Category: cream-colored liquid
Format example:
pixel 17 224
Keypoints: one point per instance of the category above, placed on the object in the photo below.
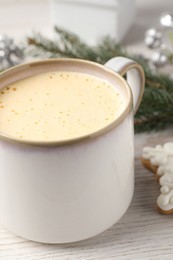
pixel 58 105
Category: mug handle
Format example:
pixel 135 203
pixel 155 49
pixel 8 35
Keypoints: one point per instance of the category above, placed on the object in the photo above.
pixel 135 76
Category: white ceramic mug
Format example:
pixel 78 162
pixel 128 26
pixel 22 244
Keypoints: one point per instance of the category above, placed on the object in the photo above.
pixel 62 192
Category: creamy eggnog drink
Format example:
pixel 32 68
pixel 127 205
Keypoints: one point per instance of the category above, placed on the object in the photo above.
pixel 56 106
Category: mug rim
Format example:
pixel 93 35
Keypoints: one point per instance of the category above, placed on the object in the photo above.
pixel 128 105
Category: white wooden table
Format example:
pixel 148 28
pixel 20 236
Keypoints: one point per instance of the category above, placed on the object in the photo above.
pixel 142 233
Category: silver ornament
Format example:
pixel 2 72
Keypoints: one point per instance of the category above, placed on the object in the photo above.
pixel 166 20
pixel 10 53
pixel 153 38
pixel 163 47
pixel 159 59
pixel 152 67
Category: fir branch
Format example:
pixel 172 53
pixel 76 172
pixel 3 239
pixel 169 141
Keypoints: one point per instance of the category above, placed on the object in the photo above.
pixel 69 45
pixel 156 109
pixel 46 48
pixel 69 40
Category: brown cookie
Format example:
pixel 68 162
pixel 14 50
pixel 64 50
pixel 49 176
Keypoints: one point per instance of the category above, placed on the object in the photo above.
pixel 159 160
pixel 147 163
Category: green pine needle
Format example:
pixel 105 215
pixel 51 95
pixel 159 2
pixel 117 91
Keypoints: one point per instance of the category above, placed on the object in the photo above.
pixel 156 109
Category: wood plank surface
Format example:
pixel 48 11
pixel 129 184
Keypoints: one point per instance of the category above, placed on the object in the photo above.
pixel 142 233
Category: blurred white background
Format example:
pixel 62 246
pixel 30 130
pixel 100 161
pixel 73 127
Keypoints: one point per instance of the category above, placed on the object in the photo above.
pixel 20 17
